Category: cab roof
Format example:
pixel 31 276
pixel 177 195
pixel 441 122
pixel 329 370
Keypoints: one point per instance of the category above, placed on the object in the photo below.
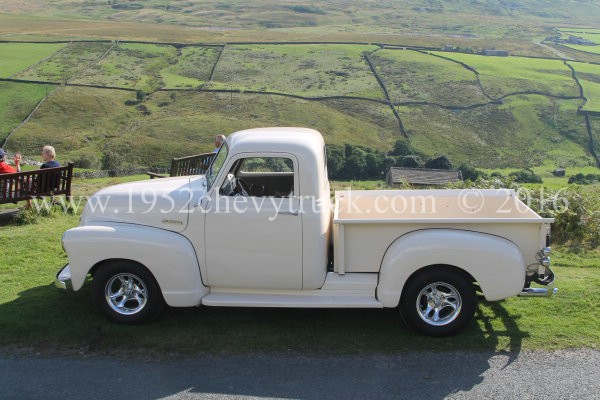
pixel 276 140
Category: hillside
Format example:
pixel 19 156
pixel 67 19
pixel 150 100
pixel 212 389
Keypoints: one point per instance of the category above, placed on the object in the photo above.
pixel 488 111
pixel 364 73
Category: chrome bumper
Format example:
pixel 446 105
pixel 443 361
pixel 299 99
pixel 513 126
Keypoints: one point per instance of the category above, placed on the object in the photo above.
pixel 539 292
pixel 63 278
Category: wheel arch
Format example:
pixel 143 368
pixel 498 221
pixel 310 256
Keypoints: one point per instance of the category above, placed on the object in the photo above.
pixel 495 263
pixel 168 256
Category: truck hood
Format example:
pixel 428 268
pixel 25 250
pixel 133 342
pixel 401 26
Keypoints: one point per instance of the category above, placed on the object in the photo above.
pixel 162 203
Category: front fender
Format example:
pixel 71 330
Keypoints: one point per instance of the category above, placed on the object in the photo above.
pixel 496 264
pixel 169 256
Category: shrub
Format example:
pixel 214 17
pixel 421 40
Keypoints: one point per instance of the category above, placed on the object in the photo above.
pixel 582 179
pixel 526 176
pixel 86 161
pixel 470 173
pixel 441 162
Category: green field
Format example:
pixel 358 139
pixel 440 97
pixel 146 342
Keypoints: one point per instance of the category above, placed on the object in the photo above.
pixel 306 70
pixel 15 57
pixel 588 49
pixel 589 77
pixel 504 75
pixel 192 68
pixel 411 76
pixel 86 122
pixel 16 102
pixel 65 64
pixel 130 65
pixel 525 131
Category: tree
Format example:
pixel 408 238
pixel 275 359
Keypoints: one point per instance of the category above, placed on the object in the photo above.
pixel 356 162
pixel 336 160
pixel 402 148
pixel 441 162
pixel 410 162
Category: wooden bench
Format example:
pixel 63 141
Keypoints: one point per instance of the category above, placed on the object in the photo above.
pixel 191 165
pixel 27 185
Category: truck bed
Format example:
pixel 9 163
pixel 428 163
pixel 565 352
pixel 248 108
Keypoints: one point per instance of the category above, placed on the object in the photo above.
pixel 366 223
pixel 431 206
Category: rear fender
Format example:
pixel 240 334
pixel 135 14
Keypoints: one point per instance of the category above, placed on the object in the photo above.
pixel 169 256
pixel 495 263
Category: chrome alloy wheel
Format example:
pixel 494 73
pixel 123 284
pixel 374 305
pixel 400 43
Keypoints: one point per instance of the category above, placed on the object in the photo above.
pixel 439 304
pixel 126 294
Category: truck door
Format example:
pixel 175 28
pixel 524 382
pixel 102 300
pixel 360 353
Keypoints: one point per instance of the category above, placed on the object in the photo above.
pixel 253 227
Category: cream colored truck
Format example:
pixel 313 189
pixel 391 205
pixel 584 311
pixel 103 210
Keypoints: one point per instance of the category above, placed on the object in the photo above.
pixel 260 230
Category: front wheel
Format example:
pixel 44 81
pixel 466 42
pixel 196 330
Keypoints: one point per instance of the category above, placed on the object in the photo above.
pixel 438 301
pixel 126 292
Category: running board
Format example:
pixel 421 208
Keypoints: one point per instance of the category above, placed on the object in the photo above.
pixel 290 300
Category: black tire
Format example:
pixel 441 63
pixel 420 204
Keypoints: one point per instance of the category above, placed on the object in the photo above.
pixel 141 295
pixel 450 292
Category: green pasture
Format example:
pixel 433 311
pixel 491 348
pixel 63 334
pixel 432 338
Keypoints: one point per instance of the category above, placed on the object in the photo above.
pixel 130 65
pixel 192 68
pixel 88 123
pixel 15 57
pixel 16 102
pixel 504 75
pixel 524 131
pixel 414 76
pixel 34 314
pixel 587 49
pixel 589 77
pixel 65 64
pixel 306 70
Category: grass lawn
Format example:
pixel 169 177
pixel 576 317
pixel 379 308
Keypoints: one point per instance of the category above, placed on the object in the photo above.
pixel 589 77
pixel 15 57
pixel 305 70
pixel 413 76
pixel 66 63
pixel 16 102
pixel 503 75
pixel 33 313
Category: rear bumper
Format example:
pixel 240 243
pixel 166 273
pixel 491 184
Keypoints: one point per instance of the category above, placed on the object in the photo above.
pixel 547 291
pixel 63 278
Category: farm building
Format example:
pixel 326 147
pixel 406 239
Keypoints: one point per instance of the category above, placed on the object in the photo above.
pixel 559 172
pixel 496 53
pixel 421 177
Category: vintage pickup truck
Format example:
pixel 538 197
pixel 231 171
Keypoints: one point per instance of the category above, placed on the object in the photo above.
pixel 260 230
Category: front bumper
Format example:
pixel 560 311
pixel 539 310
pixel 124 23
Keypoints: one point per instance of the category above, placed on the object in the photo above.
pixel 63 278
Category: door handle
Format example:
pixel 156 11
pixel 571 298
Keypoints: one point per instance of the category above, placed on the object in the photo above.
pixel 292 212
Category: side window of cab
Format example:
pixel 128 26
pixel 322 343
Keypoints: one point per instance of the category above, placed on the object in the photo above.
pixel 260 177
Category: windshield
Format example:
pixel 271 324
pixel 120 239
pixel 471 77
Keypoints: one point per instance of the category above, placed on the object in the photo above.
pixel 217 164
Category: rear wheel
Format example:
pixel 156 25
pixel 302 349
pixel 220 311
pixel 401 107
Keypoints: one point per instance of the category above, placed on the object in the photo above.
pixel 126 292
pixel 438 301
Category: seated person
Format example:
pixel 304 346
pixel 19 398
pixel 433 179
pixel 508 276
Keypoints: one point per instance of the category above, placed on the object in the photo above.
pixel 7 169
pixel 48 155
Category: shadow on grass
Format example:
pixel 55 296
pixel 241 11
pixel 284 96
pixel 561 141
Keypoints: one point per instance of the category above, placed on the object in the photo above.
pixel 269 339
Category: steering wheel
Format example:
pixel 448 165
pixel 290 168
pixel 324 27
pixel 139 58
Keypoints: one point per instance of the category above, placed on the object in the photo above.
pixel 242 188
